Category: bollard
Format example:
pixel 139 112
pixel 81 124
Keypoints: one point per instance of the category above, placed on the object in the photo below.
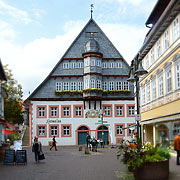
pixel 86 150
pixel 80 148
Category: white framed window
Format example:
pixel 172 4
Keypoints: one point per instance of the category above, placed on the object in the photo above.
pixel 168 81
pixel 65 65
pixel 119 85
pixel 143 94
pixel 160 85
pixel 118 64
pixel 166 39
pixel 80 86
pixel 86 83
pixel 177 75
pixel 58 86
pixel 153 87
pixel 107 110
pixel 176 28
pixel 152 55
pixel 119 110
pixel 66 111
pixel 73 86
pixel 98 84
pixel 54 130
pixel 98 63
pixel 73 65
pixel 93 62
pixel 92 83
pixel 41 111
pixel 53 111
pixel 66 86
pixel 131 110
pixel 104 85
pixel 66 130
pixel 119 129
pixel 111 85
pixel 41 131
pixel 78 111
pixel 126 85
pixel 87 62
pixel 79 65
pixel 111 65
pixel 147 61
pixel 148 92
pixel 104 65
pixel 158 48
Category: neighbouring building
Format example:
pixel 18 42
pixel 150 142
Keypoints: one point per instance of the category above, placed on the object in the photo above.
pixel 3 94
pixel 88 84
pixel 160 88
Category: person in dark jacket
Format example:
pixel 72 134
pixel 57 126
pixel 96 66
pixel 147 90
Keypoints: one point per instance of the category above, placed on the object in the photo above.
pixel 177 147
pixel 54 144
pixel 88 137
pixel 36 148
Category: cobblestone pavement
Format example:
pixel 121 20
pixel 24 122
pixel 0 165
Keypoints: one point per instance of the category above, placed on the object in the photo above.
pixel 70 164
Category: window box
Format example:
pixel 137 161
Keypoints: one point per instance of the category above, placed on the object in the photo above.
pixel 68 92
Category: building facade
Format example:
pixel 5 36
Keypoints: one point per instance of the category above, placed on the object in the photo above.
pixel 160 88
pixel 3 94
pixel 87 86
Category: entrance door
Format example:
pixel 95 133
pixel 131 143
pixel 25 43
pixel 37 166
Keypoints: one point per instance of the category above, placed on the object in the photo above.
pixel 106 134
pixel 82 137
pixel 82 133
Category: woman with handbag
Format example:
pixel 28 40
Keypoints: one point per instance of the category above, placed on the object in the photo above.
pixel 37 149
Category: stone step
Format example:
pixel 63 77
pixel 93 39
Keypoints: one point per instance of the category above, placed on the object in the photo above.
pixel 25 140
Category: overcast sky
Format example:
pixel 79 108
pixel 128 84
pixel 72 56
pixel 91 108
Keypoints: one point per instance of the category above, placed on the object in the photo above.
pixel 34 34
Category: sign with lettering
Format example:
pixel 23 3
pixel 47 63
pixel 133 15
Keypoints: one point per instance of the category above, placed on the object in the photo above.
pixel 53 121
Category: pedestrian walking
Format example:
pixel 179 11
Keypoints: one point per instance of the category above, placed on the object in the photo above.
pixel 88 137
pixel 54 144
pixel 37 149
pixel 177 147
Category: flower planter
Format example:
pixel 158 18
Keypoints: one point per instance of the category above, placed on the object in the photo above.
pixel 152 171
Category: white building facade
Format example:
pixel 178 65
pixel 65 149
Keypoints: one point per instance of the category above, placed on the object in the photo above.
pixel 88 85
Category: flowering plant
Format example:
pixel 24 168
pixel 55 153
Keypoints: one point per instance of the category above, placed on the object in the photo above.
pixel 116 92
pixel 137 157
pixel 69 92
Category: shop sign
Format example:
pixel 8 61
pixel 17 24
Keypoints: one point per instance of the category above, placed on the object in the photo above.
pixel 53 121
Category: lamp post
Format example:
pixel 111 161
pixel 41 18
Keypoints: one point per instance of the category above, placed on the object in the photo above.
pixel 136 71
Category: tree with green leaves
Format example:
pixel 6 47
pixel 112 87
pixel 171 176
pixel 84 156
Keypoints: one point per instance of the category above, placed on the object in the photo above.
pixel 13 110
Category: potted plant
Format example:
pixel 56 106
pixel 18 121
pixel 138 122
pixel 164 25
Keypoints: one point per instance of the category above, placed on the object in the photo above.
pixel 149 163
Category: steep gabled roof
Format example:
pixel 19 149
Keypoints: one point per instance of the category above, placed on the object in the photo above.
pixel 77 48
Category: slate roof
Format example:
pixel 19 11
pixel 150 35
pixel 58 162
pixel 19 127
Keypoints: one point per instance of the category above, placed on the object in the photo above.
pixel 77 48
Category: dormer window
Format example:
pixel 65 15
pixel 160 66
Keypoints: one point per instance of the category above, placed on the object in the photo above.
pixel 65 65
pixel 111 65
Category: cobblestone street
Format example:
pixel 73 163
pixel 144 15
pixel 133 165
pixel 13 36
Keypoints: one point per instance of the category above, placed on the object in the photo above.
pixel 70 164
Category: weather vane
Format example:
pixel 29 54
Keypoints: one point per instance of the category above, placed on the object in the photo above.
pixel 92 6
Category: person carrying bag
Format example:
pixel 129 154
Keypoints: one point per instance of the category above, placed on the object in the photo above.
pixel 37 149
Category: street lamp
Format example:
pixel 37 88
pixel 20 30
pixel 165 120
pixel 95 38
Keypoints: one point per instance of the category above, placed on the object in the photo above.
pixel 136 71
pixel 101 115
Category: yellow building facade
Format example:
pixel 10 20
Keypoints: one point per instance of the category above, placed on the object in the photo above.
pixel 160 88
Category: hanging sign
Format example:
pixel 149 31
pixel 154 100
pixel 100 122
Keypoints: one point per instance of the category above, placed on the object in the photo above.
pixel 92 114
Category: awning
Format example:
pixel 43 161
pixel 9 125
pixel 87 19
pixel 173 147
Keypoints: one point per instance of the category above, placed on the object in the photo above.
pixel 6 131
pixel 10 125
